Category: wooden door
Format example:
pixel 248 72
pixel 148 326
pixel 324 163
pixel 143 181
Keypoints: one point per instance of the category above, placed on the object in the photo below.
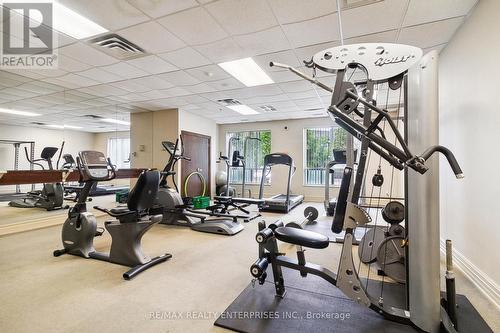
pixel 197 148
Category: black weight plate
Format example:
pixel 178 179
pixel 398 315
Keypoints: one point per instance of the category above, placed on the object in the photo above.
pixel 311 210
pixel 394 212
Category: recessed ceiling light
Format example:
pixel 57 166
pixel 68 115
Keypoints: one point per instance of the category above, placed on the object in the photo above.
pixel 71 23
pixel 247 72
pixel 116 121
pixel 242 109
pixel 19 113
pixel 64 126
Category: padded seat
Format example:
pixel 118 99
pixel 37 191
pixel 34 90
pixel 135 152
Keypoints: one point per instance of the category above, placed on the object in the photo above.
pixel 119 210
pixel 301 237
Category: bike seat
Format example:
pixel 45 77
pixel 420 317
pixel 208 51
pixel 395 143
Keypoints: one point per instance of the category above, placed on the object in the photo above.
pixel 301 237
pixel 119 210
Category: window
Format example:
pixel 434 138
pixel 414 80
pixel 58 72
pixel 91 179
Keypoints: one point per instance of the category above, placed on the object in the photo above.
pixel 119 152
pixel 254 154
pixel 319 144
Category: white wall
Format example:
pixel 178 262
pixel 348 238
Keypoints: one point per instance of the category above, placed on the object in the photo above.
pixel 194 123
pixel 74 142
pixel 469 126
pixel 291 141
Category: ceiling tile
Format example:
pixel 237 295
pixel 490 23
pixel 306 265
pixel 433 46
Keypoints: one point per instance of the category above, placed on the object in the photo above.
pixel 430 34
pixel 176 91
pixel 100 75
pixel 222 50
pixel 179 78
pixel 194 26
pixel 194 99
pixel 208 73
pixel 226 84
pixel 289 11
pixel 306 53
pixel 152 37
pixel 422 12
pixel 71 81
pixel 285 57
pixel 107 90
pixel 41 87
pixel 295 86
pixel 282 76
pixel 23 73
pixel 110 14
pixel 18 92
pixel 242 17
pixel 381 37
pixel 152 82
pixel 125 70
pixel 152 64
pixel 157 9
pixel 154 94
pixel 71 65
pixel 47 72
pixel 130 86
pixel 320 30
pixel 377 17
pixel 267 41
pixel 87 54
pixel 186 57
pixel 200 88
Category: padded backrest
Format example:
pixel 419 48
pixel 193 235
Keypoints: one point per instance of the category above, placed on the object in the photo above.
pixel 341 206
pixel 143 195
pixel 48 152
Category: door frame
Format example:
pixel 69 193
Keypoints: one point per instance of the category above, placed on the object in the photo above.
pixel 208 181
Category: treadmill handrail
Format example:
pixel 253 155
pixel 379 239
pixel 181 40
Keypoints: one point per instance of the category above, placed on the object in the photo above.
pixel 271 160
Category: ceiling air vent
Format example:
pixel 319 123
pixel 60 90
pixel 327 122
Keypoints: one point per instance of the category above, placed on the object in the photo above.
pixel 117 47
pixel 267 108
pixel 229 101
pixel 93 116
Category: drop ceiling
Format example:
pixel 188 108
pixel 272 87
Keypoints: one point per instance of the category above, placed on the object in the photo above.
pixel 185 39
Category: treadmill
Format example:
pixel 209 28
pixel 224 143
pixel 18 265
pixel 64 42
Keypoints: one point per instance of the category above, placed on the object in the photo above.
pixel 281 203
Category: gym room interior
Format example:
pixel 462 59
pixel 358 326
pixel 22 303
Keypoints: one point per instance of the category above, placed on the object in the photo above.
pixel 249 165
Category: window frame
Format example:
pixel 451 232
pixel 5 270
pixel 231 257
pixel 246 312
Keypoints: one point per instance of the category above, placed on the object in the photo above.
pixel 120 165
pixel 304 156
pixel 226 149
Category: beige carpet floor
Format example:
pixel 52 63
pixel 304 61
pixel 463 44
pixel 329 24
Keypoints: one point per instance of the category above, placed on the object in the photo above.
pixel 40 293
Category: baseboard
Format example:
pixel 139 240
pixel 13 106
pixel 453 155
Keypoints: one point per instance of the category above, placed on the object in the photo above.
pixel 483 282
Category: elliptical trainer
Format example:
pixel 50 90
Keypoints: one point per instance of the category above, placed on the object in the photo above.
pixel 175 212
pixel 51 197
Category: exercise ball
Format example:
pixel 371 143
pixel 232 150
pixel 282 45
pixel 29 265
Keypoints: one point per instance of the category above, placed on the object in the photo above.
pixel 220 178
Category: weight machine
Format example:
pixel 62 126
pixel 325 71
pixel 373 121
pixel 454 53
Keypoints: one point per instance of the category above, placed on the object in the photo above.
pixel 401 68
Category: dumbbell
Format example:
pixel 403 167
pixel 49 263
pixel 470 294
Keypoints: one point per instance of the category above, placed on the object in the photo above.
pixel 310 215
